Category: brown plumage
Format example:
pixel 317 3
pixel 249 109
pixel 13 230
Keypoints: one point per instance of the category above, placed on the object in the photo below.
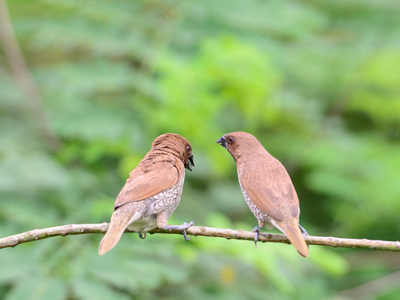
pixel 152 191
pixel 266 187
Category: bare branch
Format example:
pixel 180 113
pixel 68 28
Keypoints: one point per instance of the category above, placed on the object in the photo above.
pixel 73 229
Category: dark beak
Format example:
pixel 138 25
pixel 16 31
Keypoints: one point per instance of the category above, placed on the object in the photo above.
pixel 222 141
pixel 190 163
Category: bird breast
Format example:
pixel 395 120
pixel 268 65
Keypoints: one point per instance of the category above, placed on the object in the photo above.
pixel 258 213
pixel 168 200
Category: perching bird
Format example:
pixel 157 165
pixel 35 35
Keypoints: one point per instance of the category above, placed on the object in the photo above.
pixel 266 187
pixel 152 191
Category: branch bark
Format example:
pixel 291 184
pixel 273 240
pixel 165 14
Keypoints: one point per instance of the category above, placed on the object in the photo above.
pixel 74 229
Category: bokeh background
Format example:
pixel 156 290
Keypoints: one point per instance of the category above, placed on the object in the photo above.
pixel 318 83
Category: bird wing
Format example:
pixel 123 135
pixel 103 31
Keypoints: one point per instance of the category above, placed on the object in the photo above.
pixel 270 188
pixel 147 181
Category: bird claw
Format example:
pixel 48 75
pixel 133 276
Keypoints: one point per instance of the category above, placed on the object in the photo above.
pixel 182 228
pixel 256 231
pixel 142 235
pixel 303 231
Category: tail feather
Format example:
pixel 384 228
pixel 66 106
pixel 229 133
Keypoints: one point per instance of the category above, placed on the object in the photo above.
pixel 120 219
pixel 292 231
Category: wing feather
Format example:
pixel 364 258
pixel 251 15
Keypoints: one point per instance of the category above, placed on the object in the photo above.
pixel 148 181
pixel 270 188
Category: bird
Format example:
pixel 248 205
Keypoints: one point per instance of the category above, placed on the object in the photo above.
pixel 266 187
pixel 152 192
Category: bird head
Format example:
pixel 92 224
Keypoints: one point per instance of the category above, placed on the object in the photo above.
pixel 240 144
pixel 177 145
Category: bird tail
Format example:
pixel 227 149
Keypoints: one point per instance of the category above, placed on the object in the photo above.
pixel 292 231
pixel 120 219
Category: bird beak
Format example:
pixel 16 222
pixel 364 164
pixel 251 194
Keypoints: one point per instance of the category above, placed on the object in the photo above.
pixel 222 141
pixel 190 163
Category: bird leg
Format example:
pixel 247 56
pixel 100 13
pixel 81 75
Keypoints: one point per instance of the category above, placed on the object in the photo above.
pixel 162 222
pixel 182 228
pixel 142 235
pixel 256 231
pixel 303 231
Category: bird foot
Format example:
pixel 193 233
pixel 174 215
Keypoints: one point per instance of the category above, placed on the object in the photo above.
pixel 182 228
pixel 303 231
pixel 142 235
pixel 256 231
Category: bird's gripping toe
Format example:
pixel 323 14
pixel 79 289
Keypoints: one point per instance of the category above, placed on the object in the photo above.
pixel 142 235
pixel 256 231
pixel 303 231
pixel 182 228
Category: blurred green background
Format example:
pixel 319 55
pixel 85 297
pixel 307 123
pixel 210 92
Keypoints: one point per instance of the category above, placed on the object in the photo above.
pixel 318 83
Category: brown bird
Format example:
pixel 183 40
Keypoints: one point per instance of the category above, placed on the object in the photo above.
pixel 266 187
pixel 152 191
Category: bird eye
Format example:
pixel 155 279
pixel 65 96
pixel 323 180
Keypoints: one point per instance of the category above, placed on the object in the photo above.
pixel 231 140
pixel 189 149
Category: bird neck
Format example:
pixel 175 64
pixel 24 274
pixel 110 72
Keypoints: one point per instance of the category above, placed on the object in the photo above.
pixel 245 157
pixel 166 150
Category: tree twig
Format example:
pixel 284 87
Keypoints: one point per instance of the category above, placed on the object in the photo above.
pixel 20 70
pixel 74 229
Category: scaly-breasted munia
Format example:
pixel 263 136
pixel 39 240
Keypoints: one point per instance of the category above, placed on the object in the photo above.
pixel 266 187
pixel 152 192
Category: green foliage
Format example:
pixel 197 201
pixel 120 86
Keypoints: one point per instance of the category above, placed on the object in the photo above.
pixel 377 82
pixel 228 83
pixel 316 81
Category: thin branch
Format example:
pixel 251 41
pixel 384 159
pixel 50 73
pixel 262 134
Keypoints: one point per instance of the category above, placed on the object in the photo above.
pixel 20 70
pixel 74 229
